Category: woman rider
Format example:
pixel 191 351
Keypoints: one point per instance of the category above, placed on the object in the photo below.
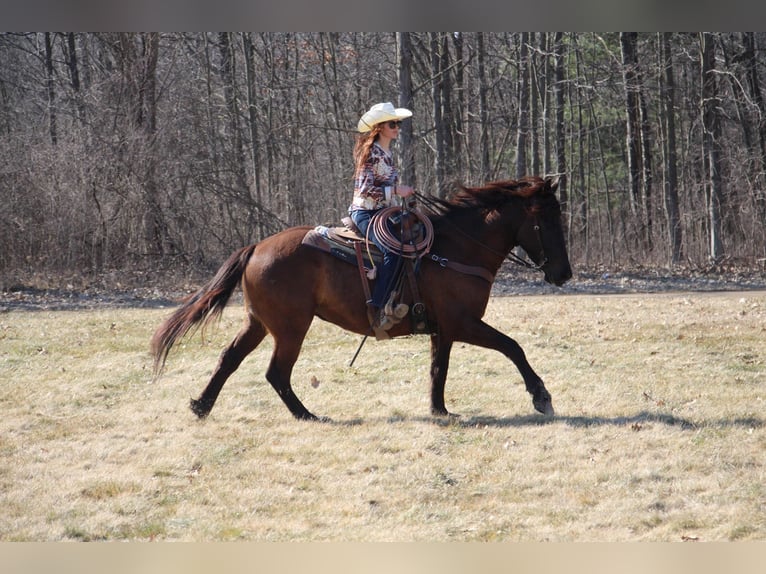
pixel 375 184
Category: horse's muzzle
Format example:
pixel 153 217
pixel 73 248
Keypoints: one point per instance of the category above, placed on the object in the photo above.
pixel 558 277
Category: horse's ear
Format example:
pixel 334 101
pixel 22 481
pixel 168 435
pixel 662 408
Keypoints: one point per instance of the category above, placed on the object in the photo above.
pixel 552 183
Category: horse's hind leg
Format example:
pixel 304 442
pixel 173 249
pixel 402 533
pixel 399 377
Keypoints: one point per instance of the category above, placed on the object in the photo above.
pixel 243 344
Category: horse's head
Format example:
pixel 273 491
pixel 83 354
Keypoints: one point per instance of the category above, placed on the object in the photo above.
pixel 504 214
pixel 541 234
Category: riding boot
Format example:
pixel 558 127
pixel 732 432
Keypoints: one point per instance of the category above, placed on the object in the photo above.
pixel 396 311
pixel 401 310
pixel 385 321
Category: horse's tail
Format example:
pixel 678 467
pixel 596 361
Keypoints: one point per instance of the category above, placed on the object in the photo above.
pixel 201 307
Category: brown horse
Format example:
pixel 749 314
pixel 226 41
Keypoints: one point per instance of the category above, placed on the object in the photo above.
pixel 286 284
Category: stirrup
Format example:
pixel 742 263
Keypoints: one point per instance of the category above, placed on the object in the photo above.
pixel 380 319
pixel 381 324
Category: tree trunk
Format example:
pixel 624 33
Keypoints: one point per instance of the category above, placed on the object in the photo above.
pixel 50 83
pixel 667 86
pixel 483 110
pixel 710 144
pixel 457 41
pixel 229 80
pixel 534 102
pixel 436 100
pixel 754 88
pixel 154 227
pixel 337 192
pixel 523 127
pixel 404 70
pixel 632 121
pixel 547 91
pixel 74 76
pixel 559 90
pixel 448 113
pixel 579 212
pixel 647 170
pixel 252 122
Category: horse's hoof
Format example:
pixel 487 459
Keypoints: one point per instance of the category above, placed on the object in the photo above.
pixel 544 405
pixel 198 408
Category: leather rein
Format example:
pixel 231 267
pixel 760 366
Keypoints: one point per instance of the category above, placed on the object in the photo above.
pixel 481 271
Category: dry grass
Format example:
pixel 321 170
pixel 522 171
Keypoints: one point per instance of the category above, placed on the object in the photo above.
pixel 659 433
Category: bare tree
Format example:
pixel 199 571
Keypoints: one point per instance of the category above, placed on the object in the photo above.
pixel 483 109
pixel 51 88
pixel 667 85
pixel 252 121
pixel 559 91
pixel 437 80
pixel 751 63
pixel 522 130
pixel 632 118
pixel 711 141
pixel 406 100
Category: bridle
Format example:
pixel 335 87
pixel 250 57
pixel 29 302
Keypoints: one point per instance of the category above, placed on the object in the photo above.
pixel 510 256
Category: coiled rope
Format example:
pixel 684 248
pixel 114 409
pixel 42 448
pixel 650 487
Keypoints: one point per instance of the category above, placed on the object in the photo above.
pixel 379 225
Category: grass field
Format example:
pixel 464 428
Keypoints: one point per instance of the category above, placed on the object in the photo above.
pixel 660 430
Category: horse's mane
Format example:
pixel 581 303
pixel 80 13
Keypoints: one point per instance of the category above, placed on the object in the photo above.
pixel 491 195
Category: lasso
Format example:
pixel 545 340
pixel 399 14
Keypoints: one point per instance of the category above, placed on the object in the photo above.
pixel 395 244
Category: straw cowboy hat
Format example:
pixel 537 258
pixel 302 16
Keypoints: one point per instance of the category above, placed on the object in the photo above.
pixel 381 113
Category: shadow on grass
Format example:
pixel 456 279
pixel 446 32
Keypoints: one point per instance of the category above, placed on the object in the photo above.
pixel 634 421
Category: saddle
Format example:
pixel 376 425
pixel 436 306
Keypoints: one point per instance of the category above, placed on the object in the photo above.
pixel 342 242
pixel 349 245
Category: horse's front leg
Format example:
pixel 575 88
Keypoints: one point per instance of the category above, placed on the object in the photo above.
pixel 482 335
pixel 440 351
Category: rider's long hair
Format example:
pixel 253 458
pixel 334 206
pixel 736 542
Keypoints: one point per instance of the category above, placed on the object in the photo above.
pixel 362 147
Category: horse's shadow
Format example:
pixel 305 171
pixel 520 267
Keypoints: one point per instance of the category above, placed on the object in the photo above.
pixel 636 421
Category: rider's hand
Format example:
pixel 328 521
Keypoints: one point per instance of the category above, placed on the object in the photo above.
pixel 404 190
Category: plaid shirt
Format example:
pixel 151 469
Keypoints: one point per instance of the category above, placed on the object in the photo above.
pixel 379 172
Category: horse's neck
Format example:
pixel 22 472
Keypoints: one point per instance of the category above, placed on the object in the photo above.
pixel 474 237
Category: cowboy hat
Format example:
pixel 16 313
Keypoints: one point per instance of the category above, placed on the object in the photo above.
pixel 381 113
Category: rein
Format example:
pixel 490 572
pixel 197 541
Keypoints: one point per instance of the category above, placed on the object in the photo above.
pixel 510 256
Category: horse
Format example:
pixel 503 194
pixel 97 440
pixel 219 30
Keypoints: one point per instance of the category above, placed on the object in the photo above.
pixel 286 284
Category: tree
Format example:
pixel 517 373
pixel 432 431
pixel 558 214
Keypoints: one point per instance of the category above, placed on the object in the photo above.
pixel 667 86
pixel 632 118
pixel 248 49
pixel 754 88
pixel 437 80
pixel 522 130
pixel 484 169
pixel 51 85
pixel 406 100
pixel 711 141
pixel 559 93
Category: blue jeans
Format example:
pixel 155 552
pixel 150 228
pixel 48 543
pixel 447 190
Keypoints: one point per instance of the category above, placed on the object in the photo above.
pixel 386 271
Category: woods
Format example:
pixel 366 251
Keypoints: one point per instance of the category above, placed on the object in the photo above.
pixel 134 150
